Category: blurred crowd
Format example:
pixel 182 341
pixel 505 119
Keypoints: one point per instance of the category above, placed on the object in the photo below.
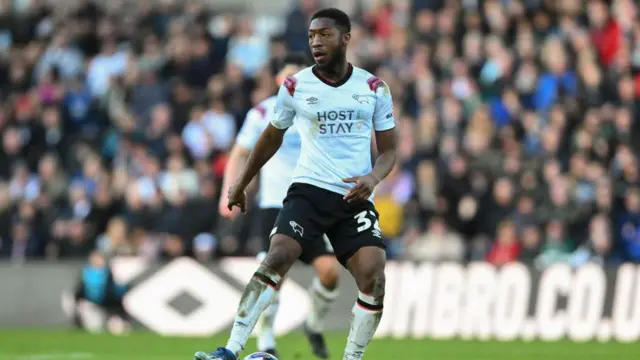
pixel 517 119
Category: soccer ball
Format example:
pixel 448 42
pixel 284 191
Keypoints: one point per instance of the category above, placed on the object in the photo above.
pixel 260 356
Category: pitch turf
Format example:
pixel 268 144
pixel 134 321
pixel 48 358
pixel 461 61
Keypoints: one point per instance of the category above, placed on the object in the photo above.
pixel 67 345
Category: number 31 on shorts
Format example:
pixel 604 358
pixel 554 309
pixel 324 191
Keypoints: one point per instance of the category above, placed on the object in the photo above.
pixel 364 222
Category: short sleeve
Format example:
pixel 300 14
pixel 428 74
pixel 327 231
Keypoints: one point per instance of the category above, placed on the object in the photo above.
pixel 254 124
pixel 383 115
pixel 283 111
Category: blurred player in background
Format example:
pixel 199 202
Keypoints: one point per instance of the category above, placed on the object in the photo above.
pixel 335 107
pixel 97 298
pixel 275 178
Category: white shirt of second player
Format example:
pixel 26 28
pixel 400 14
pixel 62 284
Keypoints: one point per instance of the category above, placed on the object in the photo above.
pixel 276 174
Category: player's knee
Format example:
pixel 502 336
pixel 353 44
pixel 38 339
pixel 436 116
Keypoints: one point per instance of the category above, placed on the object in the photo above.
pixel 371 280
pixel 283 252
pixel 328 271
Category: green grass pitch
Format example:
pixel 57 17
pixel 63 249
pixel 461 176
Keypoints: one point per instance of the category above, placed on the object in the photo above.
pixel 71 345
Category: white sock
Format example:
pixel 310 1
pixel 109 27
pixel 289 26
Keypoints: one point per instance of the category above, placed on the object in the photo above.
pixel 266 333
pixel 365 317
pixel 321 300
pixel 256 298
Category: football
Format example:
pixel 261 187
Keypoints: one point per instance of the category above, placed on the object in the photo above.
pixel 260 356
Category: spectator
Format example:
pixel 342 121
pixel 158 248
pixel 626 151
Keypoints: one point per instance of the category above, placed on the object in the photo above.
pixel 21 243
pixel 52 180
pixel 108 64
pixel 116 239
pixel 628 225
pixel 220 125
pixel 531 243
pixel 77 104
pixel 438 244
pixel 558 80
pixel 597 249
pixel 297 25
pixel 498 207
pixel 523 217
pixel 60 55
pixel 204 246
pixel 196 136
pixel 391 197
pixel 247 49
pixel 606 33
pixel 557 246
pixel 506 247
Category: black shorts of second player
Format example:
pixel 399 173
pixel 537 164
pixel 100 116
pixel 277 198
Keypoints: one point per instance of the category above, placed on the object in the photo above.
pixel 309 212
pixel 316 248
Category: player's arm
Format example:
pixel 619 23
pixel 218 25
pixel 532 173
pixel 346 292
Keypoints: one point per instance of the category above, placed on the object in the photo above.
pixel 384 126
pixel 268 143
pixel 374 149
pixel 385 144
pixel 236 161
pixel 245 142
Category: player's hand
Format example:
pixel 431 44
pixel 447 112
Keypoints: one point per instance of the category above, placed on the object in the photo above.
pixel 363 189
pixel 237 197
pixel 224 210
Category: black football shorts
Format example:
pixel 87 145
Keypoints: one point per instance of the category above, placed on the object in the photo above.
pixel 309 212
pixel 317 248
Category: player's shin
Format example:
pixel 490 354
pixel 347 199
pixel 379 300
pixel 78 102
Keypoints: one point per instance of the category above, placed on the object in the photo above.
pixel 257 296
pixel 365 317
pixel 322 298
pixel 266 332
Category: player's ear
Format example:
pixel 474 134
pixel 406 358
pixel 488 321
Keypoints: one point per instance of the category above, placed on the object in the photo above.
pixel 346 37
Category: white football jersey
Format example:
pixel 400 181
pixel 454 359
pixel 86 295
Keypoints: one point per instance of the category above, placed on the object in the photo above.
pixel 275 175
pixel 335 123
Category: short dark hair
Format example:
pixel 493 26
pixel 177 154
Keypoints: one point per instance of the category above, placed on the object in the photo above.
pixel 294 58
pixel 340 17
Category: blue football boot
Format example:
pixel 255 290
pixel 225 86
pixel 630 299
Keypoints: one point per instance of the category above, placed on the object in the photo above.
pixel 220 354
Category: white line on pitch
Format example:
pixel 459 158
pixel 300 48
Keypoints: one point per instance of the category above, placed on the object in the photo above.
pixel 48 356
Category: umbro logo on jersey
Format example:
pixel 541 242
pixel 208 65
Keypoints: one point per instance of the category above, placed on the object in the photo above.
pixel 312 101
pixel 362 99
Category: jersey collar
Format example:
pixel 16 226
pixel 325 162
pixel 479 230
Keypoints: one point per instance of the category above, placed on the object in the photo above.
pixel 329 82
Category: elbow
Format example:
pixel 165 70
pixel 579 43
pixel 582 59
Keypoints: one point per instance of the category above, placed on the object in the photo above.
pixel 390 153
pixel 238 153
pixel 394 158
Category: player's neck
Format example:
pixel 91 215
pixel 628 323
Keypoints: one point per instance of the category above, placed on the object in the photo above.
pixel 335 73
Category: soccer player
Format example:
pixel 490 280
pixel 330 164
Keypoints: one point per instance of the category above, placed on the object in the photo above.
pixel 275 178
pixel 335 106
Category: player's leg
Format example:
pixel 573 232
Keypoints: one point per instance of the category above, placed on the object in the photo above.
pixel 359 247
pixel 266 333
pixel 294 223
pixel 259 292
pixel 367 268
pixel 323 291
pixel 266 341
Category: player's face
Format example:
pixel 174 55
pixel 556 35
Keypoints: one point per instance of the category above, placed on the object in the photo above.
pixel 328 44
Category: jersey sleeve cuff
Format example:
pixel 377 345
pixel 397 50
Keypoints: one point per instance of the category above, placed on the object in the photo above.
pixel 280 126
pixel 384 127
